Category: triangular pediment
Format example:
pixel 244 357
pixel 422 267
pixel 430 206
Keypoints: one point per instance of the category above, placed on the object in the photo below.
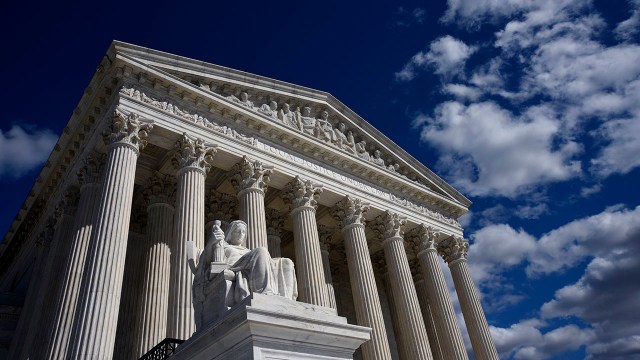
pixel 313 118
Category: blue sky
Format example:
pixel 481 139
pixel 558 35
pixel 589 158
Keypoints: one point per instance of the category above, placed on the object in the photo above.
pixel 530 108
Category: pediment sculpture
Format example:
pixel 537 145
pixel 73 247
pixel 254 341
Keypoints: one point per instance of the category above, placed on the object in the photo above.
pixel 227 272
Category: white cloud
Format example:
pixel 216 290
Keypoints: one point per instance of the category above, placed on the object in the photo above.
pixel 487 150
pixel 606 297
pixel 446 55
pixel 629 29
pixel 551 74
pixel 23 149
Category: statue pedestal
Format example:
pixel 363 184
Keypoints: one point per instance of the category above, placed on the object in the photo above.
pixel 274 327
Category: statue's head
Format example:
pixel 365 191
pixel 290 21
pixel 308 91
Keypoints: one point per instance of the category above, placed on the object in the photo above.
pixel 236 233
pixel 244 96
pixel 273 105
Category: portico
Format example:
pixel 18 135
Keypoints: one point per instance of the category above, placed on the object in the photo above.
pixel 190 143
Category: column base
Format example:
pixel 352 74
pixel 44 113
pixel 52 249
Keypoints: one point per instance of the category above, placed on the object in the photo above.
pixel 271 326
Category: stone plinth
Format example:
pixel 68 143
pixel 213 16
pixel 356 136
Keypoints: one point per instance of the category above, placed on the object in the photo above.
pixel 274 327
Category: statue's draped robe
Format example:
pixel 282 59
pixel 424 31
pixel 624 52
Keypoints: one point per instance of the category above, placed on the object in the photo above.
pixel 256 271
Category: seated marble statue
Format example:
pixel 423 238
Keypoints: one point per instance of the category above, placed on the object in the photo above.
pixel 247 270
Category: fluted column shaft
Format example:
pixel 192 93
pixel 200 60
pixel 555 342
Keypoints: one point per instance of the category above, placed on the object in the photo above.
pixel 365 292
pixel 393 333
pixel 449 335
pixel 97 317
pixel 156 273
pixel 126 332
pixel 326 266
pixel 434 343
pixel 189 222
pixel 51 285
pixel 66 302
pixel 18 345
pixel 474 318
pixel 312 287
pixel 412 329
pixel 252 212
pixel 274 246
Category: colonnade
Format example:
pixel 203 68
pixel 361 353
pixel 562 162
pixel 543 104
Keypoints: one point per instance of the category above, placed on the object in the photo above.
pixel 85 307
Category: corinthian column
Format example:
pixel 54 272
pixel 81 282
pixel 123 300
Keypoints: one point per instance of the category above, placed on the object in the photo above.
pixel 94 327
pixel 275 219
pixel 302 198
pixel 434 343
pixel 413 334
pixel 325 235
pixel 55 265
pixel 152 311
pixel 64 309
pixel 350 213
pixel 454 251
pixel 250 180
pixel 444 316
pixel 21 349
pixel 193 162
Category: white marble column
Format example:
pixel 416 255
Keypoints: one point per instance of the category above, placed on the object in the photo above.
pixel 64 310
pixel 389 310
pixel 251 180
pixel 126 331
pixel 154 297
pixel 454 251
pixel 193 162
pixel 94 327
pixel 325 234
pixel 432 333
pixel 222 207
pixel 413 334
pixel 302 197
pixel 350 213
pixel 20 349
pixel 449 335
pixel 275 219
pixel 65 212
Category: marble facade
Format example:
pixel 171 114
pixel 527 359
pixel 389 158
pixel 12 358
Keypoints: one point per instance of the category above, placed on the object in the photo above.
pixel 160 146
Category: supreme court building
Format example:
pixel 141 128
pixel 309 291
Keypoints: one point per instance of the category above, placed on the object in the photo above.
pixel 94 265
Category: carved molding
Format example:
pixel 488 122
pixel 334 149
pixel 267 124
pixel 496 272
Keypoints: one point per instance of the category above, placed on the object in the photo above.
pixel 350 211
pixel 250 174
pixel 300 192
pixel 129 129
pixel 194 153
pixel 191 116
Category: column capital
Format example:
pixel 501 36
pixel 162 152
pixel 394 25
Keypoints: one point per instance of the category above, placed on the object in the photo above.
pixel 250 175
pixel 350 211
pixel 130 130
pixel 160 189
pixel 274 219
pixel 453 249
pixel 91 169
pixel 425 237
pixel 221 206
pixel 298 193
pixel 389 225
pixel 68 203
pixel 193 152
pixel 325 233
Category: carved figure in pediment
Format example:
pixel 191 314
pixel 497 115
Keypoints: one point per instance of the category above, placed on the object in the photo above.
pixel 270 109
pixel 288 117
pixel 361 151
pixel 307 121
pixel 377 158
pixel 324 129
pixel 243 100
pixel 344 142
pixel 393 168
